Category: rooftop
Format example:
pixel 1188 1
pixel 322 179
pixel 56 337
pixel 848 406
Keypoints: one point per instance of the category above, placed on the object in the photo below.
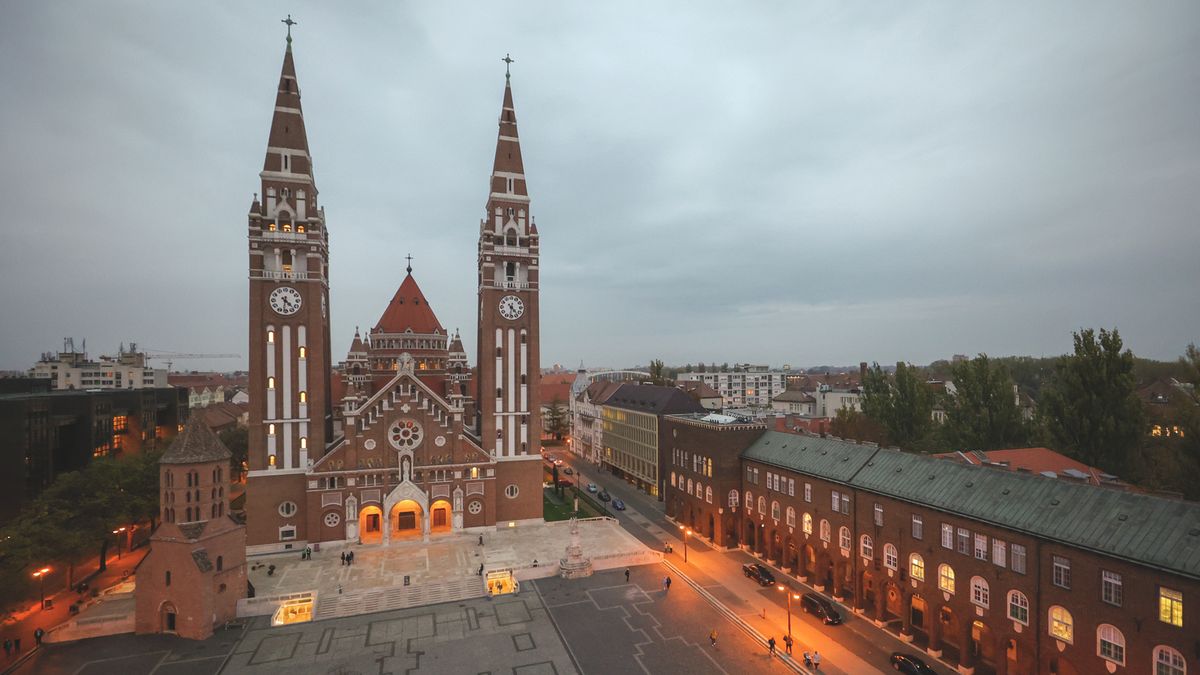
pixel 196 444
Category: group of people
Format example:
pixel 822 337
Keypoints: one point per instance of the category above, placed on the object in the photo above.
pixel 812 660
pixel 347 557
pixel 12 646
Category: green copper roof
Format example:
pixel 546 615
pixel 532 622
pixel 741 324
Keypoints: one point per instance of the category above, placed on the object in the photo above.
pixel 1154 531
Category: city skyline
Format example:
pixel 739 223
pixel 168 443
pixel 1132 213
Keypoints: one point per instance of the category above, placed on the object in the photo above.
pixel 821 186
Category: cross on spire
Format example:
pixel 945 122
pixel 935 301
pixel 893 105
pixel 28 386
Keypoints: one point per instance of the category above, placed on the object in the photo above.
pixel 508 61
pixel 289 23
pixel 409 259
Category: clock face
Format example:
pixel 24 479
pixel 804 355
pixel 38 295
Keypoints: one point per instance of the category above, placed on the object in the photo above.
pixel 511 307
pixel 285 300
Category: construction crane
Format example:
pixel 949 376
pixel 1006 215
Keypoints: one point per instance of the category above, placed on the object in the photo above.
pixel 170 357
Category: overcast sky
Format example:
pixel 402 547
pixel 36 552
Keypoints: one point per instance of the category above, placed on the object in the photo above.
pixel 802 183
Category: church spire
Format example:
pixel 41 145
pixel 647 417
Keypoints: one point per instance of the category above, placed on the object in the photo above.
pixel 287 146
pixel 508 172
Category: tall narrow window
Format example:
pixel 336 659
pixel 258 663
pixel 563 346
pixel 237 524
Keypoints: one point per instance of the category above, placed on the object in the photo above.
pixel 1170 606
pixel 304 397
pixel 1062 625
pixel 270 383
pixel 1110 588
pixel 878 515
pixel 303 352
pixel 916 567
pixel 1062 572
pixel 918 527
pixel 1110 644
pixel 1018 607
pixel 946 578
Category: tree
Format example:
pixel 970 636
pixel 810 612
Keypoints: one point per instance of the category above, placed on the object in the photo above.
pixel 1090 409
pixel 237 439
pixel 557 423
pixel 900 403
pixel 658 373
pixel 983 413
pixel 854 425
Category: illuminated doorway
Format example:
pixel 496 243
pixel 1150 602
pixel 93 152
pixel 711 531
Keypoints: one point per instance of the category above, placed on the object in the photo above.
pixel 370 524
pixel 406 520
pixel 439 516
pixel 502 582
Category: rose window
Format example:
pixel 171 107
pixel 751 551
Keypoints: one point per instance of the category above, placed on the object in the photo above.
pixel 332 519
pixel 405 435
pixel 475 507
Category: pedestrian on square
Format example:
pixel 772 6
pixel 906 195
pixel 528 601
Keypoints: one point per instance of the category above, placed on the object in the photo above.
pixel 771 645
pixel 668 583
pixel 480 572
pixel 343 557
pixel 807 658
pixel 816 660
pixel 712 637
pixel 481 540
pixel 37 635
pixel 626 575
pixel 7 647
pixel 787 644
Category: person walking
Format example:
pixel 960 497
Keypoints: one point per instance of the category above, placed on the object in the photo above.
pixel 37 635
pixel 771 645
pixel 626 575
pixel 807 659
pixel 480 572
pixel 787 644
pixel 350 558
pixel 712 637
pixel 343 557
pixel 816 660
pixel 17 645
pixel 481 540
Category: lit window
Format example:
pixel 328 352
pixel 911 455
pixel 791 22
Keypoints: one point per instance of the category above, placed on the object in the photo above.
pixel 1170 606
pixel 946 578
pixel 825 530
pixel 271 460
pixel 1062 626
pixel 1168 661
pixel 304 397
pixel 1018 607
pixel 271 429
pixel 708 494
pixel 304 442
pixel 916 567
pixel 270 383
pixel 304 352
pixel 891 558
pixel 1110 644
pixel 866 547
pixel 270 336
pixel 981 594
pixel 807 522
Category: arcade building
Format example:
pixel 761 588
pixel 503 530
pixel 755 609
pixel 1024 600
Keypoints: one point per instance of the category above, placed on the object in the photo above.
pixel 405 441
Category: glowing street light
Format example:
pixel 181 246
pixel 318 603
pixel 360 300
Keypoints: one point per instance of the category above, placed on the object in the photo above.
pixel 41 575
pixel 686 534
pixel 118 532
pixel 790 596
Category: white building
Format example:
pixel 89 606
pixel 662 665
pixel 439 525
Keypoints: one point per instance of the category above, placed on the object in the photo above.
pixel 71 369
pixel 828 401
pixel 746 385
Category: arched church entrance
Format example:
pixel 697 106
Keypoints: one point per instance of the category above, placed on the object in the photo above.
pixel 405 520
pixel 370 524
pixel 167 615
pixel 439 513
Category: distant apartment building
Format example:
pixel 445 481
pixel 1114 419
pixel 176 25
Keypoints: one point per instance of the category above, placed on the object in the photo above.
pixel 45 433
pixel 586 393
pixel 205 389
pixel 72 369
pixel 633 438
pixel 828 401
pixel 743 385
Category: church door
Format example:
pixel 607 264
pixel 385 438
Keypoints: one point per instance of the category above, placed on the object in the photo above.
pixel 439 517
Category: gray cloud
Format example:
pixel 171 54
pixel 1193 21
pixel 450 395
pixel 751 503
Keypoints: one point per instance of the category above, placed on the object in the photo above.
pixel 810 184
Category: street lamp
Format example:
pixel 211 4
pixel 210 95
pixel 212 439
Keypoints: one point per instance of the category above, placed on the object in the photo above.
pixel 118 532
pixel 790 596
pixel 41 575
pixel 686 533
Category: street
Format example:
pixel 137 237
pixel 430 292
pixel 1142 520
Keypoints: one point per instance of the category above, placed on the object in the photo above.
pixel 856 646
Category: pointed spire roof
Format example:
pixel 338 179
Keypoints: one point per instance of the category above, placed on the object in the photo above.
pixel 507 163
pixel 287 123
pixel 456 345
pixel 196 444
pixel 409 310
pixel 357 346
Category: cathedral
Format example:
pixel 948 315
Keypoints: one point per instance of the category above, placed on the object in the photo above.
pixel 404 440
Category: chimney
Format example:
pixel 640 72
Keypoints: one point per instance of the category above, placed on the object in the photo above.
pixel 862 371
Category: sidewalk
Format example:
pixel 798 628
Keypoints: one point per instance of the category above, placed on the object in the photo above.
pixel 25 621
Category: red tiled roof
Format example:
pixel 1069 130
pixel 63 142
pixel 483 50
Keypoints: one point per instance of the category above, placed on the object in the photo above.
pixel 1034 460
pixel 698 389
pixel 409 309
pixel 551 391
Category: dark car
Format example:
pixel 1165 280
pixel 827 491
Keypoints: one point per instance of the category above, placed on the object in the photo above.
pixel 820 608
pixel 604 496
pixel 568 471
pixel 758 573
pixel 618 505
pixel 910 664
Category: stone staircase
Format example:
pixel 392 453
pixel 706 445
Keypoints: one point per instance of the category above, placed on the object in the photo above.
pixel 371 600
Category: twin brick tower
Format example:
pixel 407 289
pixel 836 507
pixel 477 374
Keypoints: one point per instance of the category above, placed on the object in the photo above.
pixel 403 441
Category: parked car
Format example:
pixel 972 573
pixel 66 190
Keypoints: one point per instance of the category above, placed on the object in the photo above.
pixel 564 483
pixel 592 487
pixel 910 665
pixel 568 471
pixel 618 505
pixel 558 462
pixel 820 608
pixel 604 496
pixel 758 573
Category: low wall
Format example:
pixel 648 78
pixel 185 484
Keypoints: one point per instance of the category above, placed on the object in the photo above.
pixel 119 619
pixel 265 605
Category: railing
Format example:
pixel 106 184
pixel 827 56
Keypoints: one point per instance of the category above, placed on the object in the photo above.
pixel 514 285
pixel 512 250
pixel 287 236
pixel 296 276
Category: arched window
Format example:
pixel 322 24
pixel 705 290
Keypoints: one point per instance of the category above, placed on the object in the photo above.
pixel 1168 661
pixel 699 491
pixel 844 539
pixel 1018 607
pixel 733 499
pixel 762 505
pixel 1062 626
pixel 866 546
pixel 807 524
pixel 891 558
pixel 1110 644
pixel 946 578
pixel 981 594
pixel 749 501
pixel 791 517
pixel 916 567
pixel 672 479
pixel 825 536
pixel 775 510
pixel 708 494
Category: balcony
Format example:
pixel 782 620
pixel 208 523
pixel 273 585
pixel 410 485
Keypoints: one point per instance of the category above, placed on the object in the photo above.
pixel 511 250
pixel 514 285
pixel 284 276
pixel 287 236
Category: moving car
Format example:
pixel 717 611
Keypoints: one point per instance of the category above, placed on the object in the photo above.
pixel 592 487
pixel 820 608
pixel 568 471
pixel 618 505
pixel 758 573
pixel 910 664
pixel 604 496
pixel 557 462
